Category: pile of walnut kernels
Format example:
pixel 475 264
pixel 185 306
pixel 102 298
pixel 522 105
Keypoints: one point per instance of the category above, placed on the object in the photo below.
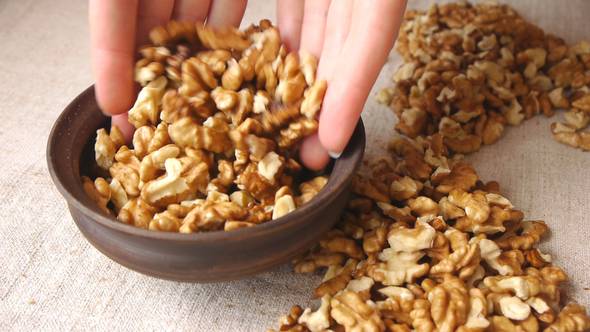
pixel 218 122
pixel 425 245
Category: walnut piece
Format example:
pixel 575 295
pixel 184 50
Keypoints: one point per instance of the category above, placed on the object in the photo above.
pixel 318 320
pixel 349 310
pixel 106 146
pixel 449 304
pixel 283 206
pixel 401 258
pixel 146 110
pixel 572 318
pixel 99 191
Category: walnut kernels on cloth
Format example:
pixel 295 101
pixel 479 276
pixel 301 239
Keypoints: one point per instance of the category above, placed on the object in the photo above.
pixel 425 245
pixel 470 71
pixel 218 122
pixel 452 257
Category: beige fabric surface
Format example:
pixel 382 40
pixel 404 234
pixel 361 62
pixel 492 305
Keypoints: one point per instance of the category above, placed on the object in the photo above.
pixel 52 279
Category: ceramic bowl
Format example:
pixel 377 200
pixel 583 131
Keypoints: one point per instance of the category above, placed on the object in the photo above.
pixel 198 257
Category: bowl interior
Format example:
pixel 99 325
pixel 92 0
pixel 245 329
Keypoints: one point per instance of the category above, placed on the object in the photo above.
pixel 69 155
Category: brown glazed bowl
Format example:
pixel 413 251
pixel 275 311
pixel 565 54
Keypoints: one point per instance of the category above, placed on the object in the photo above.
pixel 199 257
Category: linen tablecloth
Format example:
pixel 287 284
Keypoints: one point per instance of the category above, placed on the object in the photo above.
pixel 52 279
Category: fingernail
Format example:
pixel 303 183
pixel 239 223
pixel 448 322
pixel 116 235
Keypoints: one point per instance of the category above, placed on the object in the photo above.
pixel 334 155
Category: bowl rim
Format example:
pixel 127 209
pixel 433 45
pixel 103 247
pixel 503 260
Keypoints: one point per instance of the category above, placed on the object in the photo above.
pixel 350 159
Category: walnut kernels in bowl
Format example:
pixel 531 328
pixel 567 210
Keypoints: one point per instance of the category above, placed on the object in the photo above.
pixel 218 123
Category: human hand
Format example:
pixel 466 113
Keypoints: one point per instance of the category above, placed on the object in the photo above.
pixel 352 39
pixel 118 28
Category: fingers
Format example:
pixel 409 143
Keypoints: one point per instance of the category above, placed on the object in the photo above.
pixel 290 18
pixel 372 33
pixel 191 10
pixel 112 35
pixel 226 13
pixel 315 14
pixel 150 14
pixel 312 154
pixel 337 27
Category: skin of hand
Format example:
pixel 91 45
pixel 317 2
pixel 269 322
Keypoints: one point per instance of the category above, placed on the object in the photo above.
pixel 351 39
